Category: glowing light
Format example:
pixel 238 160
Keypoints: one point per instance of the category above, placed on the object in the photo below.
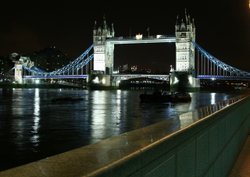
pixel 138 36
pixel 213 79
pixel 96 80
pixel 190 79
pixel 176 80
pixel 103 81
pixel 158 36
pixel 37 81
pixel 213 98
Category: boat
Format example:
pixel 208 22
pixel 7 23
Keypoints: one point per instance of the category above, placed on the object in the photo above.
pixel 155 97
pixel 181 97
pixel 172 97
pixel 66 99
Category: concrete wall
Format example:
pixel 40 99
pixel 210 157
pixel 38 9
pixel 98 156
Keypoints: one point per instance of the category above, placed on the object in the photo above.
pixel 207 149
pixel 203 143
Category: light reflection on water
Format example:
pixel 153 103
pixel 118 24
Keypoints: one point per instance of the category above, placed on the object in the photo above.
pixel 33 127
pixel 36 116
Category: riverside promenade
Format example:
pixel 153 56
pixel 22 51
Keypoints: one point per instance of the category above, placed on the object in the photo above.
pixel 242 164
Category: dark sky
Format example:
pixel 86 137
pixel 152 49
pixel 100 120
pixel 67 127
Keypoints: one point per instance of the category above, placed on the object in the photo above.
pixel 223 27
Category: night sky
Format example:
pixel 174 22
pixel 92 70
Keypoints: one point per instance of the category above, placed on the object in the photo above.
pixel 223 28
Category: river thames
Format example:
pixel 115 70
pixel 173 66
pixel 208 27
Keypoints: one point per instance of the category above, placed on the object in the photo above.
pixel 33 127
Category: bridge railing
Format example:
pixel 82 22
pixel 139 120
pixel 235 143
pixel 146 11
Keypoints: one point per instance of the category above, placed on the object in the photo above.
pixel 204 142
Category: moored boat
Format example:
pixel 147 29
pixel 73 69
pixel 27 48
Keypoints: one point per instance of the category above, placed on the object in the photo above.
pixel 165 97
pixel 180 97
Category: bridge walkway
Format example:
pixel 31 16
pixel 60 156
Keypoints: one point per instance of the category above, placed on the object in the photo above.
pixel 241 167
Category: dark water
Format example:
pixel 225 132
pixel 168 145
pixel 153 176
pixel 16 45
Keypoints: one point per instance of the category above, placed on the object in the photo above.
pixel 33 127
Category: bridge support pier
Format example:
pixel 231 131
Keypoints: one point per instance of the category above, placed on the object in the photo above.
pixel 100 81
pixel 182 81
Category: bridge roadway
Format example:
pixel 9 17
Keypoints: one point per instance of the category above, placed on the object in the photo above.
pixel 164 77
pixel 206 143
pixel 83 76
pixel 143 40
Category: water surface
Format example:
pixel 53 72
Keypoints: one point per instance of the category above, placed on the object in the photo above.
pixel 33 127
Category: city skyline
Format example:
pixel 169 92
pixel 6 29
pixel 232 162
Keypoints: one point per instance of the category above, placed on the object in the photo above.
pixel 222 27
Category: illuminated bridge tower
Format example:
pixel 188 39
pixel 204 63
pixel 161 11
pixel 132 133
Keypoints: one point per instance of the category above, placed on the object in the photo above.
pixel 103 54
pixel 184 75
pixel 19 71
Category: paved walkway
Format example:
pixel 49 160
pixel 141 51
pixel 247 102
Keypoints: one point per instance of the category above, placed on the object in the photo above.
pixel 242 165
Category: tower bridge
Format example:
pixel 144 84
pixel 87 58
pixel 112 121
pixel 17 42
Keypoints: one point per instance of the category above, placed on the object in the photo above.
pixel 104 41
pixel 96 64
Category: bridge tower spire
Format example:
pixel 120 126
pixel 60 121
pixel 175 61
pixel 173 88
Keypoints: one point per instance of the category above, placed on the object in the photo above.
pixel 103 51
pixel 183 77
pixel 100 34
pixel 185 49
